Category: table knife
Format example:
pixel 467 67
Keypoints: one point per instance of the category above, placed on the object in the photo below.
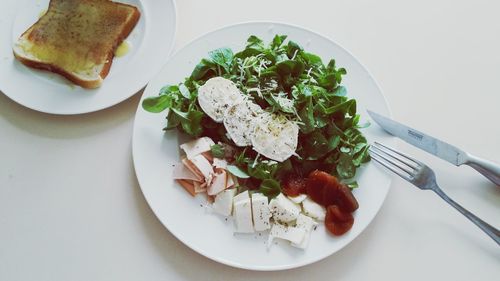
pixel 438 148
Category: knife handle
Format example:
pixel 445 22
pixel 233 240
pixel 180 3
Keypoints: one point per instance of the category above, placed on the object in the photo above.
pixel 487 168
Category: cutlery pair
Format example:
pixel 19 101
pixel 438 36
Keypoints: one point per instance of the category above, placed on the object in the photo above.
pixel 438 148
pixel 421 175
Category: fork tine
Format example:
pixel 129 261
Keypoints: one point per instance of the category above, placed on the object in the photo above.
pixel 401 154
pixel 408 167
pixel 377 157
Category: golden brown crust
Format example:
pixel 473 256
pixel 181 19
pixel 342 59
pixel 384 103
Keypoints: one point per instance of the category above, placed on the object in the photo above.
pixel 126 31
pixel 88 84
pixel 129 24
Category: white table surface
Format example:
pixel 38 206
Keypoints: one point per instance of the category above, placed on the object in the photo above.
pixel 71 207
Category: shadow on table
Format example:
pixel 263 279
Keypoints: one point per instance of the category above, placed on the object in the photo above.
pixel 67 126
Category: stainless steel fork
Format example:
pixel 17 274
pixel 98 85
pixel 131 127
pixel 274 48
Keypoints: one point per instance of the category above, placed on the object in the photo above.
pixel 424 178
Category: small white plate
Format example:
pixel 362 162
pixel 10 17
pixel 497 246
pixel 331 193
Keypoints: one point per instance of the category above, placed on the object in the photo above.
pixel 151 43
pixel 188 219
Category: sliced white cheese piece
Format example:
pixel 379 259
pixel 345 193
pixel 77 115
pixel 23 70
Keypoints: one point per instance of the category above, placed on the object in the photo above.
pixel 182 172
pixel 298 199
pixel 218 184
pixel 204 167
pixel 216 96
pixel 260 211
pixel 242 196
pixel 197 146
pixel 306 223
pixel 313 209
pixel 240 120
pixel 284 210
pixel 290 233
pixel 223 203
pixel 242 207
pixel 275 137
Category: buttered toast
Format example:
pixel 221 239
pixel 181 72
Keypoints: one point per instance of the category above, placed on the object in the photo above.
pixel 77 39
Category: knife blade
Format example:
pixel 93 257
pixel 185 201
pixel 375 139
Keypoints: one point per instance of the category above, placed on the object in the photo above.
pixel 423 141
pixel 437 147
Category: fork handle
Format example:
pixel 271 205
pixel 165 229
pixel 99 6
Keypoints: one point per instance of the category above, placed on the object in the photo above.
pixel 487 228
pixel 487 168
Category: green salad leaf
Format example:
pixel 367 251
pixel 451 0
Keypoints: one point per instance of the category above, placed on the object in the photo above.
pixel 222 57
pixel 283 78
pixel 237 172
pixel 217 151
pixel 270 188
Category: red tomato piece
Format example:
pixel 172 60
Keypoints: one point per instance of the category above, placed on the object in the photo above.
pixel 346 200
pixel 326 190
pixel 331 192
pixel 294 186
pixel 338 222
pixel 315 185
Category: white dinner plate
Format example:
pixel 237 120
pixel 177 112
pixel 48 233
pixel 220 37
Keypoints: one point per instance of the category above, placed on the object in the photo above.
pixel 151 43
pixel 189 219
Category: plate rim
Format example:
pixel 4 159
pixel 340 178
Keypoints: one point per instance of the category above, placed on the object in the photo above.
pixel 136 90
pixel 222 260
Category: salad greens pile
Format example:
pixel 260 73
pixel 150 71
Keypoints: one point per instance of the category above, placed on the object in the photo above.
pixel 282 78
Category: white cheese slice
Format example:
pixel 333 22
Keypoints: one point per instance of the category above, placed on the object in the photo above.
pixel 293 234
pixel 260 211
pixel 243 216
pixel 242 196
pixel 313 209
pixel 275 137
pixel 284 210
pixel 306 223
pixel 240 120
pixel 223 203
pixel 217 95
pixel 298 199
pixel 197 146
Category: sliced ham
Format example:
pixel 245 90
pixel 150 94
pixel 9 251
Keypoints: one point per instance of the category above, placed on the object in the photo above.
pixel 199 187
pixel 219 163
pixel 230 181
pixel 208 155
pixel 188 186
pixel 203 166
pixel 192 167
pixel 182 172
pixel 218 184
pixel 197 146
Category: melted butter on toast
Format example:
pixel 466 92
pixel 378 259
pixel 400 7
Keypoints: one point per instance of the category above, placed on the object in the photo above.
pixel 122 49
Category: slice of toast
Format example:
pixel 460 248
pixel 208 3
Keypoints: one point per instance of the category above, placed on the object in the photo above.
pixel 77 39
